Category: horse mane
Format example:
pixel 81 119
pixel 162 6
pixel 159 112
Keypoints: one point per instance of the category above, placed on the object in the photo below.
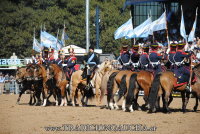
pixel 57 69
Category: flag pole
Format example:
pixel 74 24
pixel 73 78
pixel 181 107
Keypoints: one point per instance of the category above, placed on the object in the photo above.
pixel 33 40
pixel 167 28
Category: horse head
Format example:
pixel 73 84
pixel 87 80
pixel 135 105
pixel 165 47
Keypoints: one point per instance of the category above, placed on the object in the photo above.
pixel 37 73
pixel 20 74
pixel 29 74
pixel 50 71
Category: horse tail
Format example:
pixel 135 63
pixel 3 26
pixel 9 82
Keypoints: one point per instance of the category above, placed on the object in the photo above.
pixel 110 85
pixel 154 91
pixel 123 88
pixel 131 90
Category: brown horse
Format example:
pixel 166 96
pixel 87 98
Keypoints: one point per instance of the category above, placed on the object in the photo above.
pixel 196 85
pixel 144 80
pixel 57 75
pixel 163 84
pixel 40 74
pixel 23 78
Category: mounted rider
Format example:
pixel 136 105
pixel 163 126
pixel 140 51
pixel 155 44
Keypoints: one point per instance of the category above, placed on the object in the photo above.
pixel 144 57
pixel 90 60
pixel 60 59
pixel 69 63
pixel 51 58
pixel 171 54
pixel 182 72
pixel 134 58
pixel 155 59
pixel 124 58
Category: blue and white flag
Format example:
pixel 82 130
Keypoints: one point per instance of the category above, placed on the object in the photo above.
pixel 192 33
pixel 159 24
pixel 123 29
pixel 182 26
pixel 64 36
pixel 141 31
pixel 59 44
pixel 48 40
pixel 36 45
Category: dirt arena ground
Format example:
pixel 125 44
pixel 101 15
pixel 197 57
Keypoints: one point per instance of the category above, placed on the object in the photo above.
pixel 25 119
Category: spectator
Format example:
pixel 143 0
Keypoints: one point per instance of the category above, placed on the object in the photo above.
pixel 2 81
pixel 16 86
pixel 7 82
pixel 12 84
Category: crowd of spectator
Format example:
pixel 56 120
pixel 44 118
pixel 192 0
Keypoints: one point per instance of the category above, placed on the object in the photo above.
pixel 8 84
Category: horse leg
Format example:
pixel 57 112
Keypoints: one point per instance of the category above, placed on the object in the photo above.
pixel 20 94
pixel 45 96
pixel 31 97
pixel 197 101
pixel 124 104
pixel 185 98
pixel 170 99
pixel 79 99
pixel 63 94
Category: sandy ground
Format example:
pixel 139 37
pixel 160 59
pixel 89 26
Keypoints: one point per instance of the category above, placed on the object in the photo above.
pixel 25 119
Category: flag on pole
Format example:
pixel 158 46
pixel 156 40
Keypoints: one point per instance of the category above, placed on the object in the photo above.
pixel 58 42
pixel 36 45
pixel 158 24
pixel 140 31
pixel 48 40
pixel 64 36
pixel 123 29
pixel 182 26
pixel 192 33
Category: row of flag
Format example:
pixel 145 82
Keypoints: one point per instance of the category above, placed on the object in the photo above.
pixel 148 27
pixel 49 41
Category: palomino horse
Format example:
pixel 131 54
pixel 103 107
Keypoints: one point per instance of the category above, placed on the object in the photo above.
pixel 56 74
pixel 76 81
pixel 163 84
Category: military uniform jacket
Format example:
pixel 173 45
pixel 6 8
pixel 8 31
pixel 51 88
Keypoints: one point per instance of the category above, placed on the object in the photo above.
pixel 71 62
pixel 144 60
pixel 124 58
pixel 179 57
pixel 91 59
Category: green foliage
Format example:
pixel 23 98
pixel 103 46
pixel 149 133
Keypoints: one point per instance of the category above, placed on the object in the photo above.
pixel 20 17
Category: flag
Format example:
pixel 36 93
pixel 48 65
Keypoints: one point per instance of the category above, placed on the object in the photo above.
pixel 48 40
pixel 64 36
pixel 140 31
pixel 36 45
pixel 123 29
pixel 59 44
pixel 192 33
pixel 182 26
pixel 159 24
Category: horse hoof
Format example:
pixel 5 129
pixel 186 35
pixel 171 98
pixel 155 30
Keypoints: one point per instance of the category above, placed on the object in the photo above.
pixel 17 102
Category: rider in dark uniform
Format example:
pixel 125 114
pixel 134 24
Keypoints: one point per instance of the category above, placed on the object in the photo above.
pixel 59 60
pixel 91 60
pixel 69 63
pixel 135 56
pixel 182 72
pixel 144 58
pixel 155 59
pixel 171 56
pixel 124 58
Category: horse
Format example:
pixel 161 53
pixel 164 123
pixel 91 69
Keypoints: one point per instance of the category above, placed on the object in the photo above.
pixel 125 85
pixel 195 85
pixel 77 81
pixel 41 74
pixel 163 84
pixel 21 79
pixel 58 80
